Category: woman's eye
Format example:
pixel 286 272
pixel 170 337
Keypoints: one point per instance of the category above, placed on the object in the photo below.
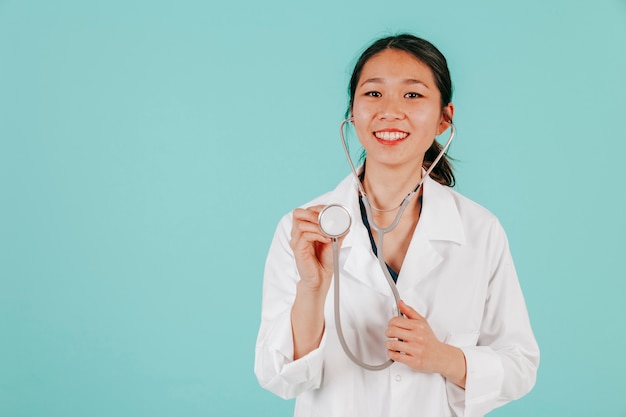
pixel 373 94
pixel 412 95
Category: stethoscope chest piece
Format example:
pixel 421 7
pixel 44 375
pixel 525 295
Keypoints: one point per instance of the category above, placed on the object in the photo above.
pixel 334 220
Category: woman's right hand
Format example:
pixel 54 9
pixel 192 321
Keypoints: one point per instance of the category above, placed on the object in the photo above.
pixel 312 250
pixel 314 259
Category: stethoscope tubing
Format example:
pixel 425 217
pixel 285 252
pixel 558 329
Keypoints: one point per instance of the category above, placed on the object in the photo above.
pixel 379 244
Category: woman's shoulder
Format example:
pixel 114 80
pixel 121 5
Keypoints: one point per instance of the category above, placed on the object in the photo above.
pixel 464 204
pixel 479 221
pixel 470 207
pixel 474 217
pixel 343 193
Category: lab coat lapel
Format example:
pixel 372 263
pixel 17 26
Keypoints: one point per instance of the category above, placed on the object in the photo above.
pixel 420 259
pixel 439 221
pixel 361 263
pixel 356 257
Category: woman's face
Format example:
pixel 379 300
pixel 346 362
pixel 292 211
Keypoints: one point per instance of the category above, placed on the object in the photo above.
pixel 397 109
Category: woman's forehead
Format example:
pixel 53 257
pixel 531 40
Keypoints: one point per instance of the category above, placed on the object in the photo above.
pixel 396 65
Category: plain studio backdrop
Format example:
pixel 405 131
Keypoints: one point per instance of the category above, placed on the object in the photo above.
pixel 148 149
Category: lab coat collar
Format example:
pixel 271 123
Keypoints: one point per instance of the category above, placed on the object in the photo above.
pixel 440 217
pixel 440 220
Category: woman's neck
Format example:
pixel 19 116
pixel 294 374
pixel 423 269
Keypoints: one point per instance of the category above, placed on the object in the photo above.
pixel 386 186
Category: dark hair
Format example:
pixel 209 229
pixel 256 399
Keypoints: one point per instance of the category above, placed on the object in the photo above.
pixel 427 53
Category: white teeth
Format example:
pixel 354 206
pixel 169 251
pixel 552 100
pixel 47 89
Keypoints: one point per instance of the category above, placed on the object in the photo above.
pixel 391 135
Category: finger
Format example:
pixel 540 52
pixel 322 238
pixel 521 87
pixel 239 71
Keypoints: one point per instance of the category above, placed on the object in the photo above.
pixel 303 241
pixel 397 325
pixel 403 357
pixel 400 323
pixel 306 223
pixel 403 334
pixel 309 212
pixel 316 208
pixel 409 311
pixel 399 346
pixel 301 227
pixel 309 215
pixel 307 220
pixel 397 356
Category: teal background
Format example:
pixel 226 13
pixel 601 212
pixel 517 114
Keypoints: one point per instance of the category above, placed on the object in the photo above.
pixel 148 149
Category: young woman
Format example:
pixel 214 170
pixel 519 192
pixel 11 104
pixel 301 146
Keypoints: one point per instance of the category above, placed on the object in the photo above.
pixel 463 344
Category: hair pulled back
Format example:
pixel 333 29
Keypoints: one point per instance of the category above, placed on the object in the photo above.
pixel 428 54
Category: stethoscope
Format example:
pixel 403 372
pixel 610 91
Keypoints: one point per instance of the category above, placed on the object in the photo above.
pixel 335 221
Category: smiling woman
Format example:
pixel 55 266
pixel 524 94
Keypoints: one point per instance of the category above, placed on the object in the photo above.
pixel 434 67
pixel 463 344
pixel 397 112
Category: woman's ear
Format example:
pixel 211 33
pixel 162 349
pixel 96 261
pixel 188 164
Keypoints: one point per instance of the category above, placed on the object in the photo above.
pixel 447 115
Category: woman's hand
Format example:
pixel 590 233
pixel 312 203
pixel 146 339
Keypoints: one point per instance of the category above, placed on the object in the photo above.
pixel 416 346
pixel 313 252
pixel 312 249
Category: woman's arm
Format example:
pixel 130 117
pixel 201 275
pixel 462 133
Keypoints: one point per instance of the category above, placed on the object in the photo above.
pixel 297 277
pixel 502 364
pixel 313 255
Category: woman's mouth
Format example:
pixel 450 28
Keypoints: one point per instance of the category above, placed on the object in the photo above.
pixel 390 137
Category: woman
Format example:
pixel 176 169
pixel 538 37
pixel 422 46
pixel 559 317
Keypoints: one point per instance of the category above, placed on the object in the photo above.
pixel 464 344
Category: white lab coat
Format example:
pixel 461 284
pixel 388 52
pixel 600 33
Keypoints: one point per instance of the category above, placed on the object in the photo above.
pixel 458 273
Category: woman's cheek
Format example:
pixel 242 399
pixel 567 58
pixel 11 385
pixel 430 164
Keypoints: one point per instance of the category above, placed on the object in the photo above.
pixel 360 123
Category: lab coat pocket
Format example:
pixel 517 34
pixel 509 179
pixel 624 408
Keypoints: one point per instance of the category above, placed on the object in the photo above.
pixel 462 339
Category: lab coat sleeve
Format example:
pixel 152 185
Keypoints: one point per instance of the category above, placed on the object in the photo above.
pixel 274 366
pixel 502 365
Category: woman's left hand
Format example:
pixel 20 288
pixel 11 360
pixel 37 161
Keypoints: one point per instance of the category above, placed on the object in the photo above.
pixel 415 345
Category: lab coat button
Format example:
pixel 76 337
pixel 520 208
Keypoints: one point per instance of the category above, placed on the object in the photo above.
pixel 398 378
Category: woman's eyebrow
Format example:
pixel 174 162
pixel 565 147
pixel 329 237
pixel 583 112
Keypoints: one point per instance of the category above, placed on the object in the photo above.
pixel 414 81
pixel 373 80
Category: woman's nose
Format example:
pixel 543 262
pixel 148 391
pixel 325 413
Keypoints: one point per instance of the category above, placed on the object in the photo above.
pixel 390 109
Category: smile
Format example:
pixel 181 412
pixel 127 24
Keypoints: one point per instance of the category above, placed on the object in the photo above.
pixel 390 136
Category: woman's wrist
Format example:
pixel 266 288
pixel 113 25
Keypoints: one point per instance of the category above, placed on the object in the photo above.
pixel 307 319
pixel 454 365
